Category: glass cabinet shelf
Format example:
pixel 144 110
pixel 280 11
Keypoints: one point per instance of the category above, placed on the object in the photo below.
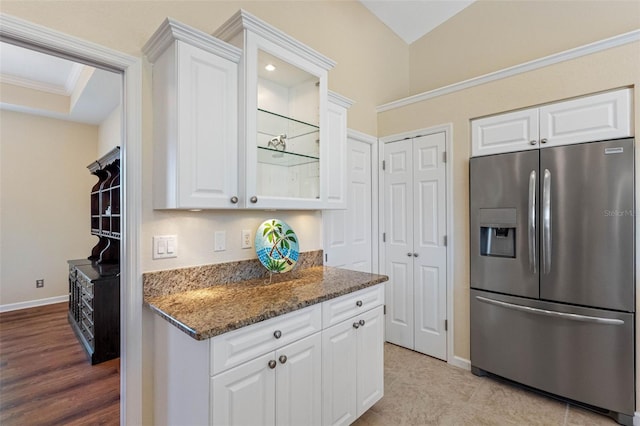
pixel 283 158
pixel 272 124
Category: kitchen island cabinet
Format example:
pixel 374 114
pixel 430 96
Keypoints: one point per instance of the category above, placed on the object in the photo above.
pixel 254 353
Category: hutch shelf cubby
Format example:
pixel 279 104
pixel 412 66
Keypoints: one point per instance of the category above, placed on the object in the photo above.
pixel 94 282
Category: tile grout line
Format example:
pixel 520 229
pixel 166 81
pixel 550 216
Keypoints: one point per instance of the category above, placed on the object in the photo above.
pixel 566 415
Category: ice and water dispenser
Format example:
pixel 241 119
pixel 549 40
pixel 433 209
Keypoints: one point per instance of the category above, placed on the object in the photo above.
pixel 498 232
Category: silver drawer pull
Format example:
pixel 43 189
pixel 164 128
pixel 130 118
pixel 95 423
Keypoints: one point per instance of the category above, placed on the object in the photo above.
pixel 283 359
pixel 272 364
pixel 359 303
pixel 361 322
pixel 277 334
pixel 356 325
pixel 564 315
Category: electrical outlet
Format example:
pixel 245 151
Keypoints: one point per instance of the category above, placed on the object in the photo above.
pixel 220 243
pixel 39 283
pixel 246 239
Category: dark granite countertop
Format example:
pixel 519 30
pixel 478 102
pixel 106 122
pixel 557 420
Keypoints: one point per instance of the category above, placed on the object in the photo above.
pixel 217 309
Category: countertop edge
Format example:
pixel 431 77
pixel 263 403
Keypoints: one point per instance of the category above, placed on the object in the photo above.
pixel 247 321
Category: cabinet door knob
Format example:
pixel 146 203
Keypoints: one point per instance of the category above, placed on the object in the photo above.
pixel 234 200
pixel 283 359
pixel 253 199
pixel 277 334
pixel 415 254
pixel 409 254
pixel 361 322
pixel 272 364
pixel 356 325
pixel 545 140
pixel 533 142
pixel 359 303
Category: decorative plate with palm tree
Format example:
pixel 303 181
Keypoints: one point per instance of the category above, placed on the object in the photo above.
pixel 276 246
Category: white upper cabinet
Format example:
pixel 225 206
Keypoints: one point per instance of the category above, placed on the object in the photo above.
pixel 590 118
pixel 515 131
pixel 337 177
pixel 195 130
pixel 283 116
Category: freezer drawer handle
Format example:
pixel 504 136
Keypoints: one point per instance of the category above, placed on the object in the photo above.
pixel 572 317
pixel 532 221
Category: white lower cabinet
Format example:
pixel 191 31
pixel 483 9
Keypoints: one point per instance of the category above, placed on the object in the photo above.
pixel 295 369
pixel 352 367
pixel 280 388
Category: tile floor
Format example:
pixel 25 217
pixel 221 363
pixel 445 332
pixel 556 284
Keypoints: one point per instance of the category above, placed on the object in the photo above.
pixel 420 390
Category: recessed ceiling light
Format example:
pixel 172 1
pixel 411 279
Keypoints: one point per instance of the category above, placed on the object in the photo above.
pixel 270 67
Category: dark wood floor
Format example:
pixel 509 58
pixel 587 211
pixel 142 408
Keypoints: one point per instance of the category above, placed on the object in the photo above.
pixel 45 376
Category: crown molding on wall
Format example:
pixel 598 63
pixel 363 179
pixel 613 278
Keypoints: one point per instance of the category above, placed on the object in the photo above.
pixel 337 98
pixel 556 58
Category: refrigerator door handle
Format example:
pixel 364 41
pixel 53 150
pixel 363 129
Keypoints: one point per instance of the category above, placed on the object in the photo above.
pixel 564 315
pixel 532 222
pixel 546 222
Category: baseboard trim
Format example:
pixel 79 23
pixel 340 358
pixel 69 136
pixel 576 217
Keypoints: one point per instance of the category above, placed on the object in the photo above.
pixel 33 303
pixel 456 361
pixel 636 419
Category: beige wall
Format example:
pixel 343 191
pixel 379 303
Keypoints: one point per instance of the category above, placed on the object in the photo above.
pixel 44 197
pixel 110 132
pixel 491 35
pixel 614 68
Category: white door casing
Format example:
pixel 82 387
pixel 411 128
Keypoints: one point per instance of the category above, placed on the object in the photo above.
pixel 415 253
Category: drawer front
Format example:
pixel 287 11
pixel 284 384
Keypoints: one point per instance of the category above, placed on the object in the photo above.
pixel 349 305
pixel 238 346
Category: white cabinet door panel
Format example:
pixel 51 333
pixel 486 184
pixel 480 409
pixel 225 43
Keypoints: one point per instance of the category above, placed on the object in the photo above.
pixel 299 383
pixel 370 388
pixel 592 118
pixel 514 131
pixel 339 351
pixel 245 395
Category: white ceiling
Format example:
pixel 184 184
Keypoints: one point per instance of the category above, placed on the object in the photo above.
pixel 92 93
pixel 411 19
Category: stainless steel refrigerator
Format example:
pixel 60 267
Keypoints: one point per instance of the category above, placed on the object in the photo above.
pixel 552 271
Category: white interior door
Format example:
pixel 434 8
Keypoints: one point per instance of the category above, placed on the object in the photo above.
pixel 430 255
pixel 398 213
pixel 348 233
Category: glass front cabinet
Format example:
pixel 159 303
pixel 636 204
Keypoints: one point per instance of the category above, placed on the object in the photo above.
pixel 288 146
pixel 284 146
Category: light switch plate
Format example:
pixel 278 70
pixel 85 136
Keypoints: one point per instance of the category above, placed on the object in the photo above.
pixel 165 246
pixel 220 243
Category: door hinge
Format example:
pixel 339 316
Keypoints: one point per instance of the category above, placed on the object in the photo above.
pixel 384 237
pixel 444 156
pixel 446 325
pixel 384 309
pixel 326 257
pixel 384 165
pixel 445 241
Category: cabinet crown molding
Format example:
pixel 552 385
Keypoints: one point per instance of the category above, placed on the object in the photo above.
pixel 243 20
pixel 171 30
pixel 337 98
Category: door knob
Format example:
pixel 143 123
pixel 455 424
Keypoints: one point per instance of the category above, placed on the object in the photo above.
pixel 361 322
pixel 277 334
pixel 359 303
pixel 544 140
pixel 253 199
pixel 409 254
pixel 234 200
pixel 415 255
pixel 272 364
pixel 356 325
pixel 533 142
pixel 283 359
